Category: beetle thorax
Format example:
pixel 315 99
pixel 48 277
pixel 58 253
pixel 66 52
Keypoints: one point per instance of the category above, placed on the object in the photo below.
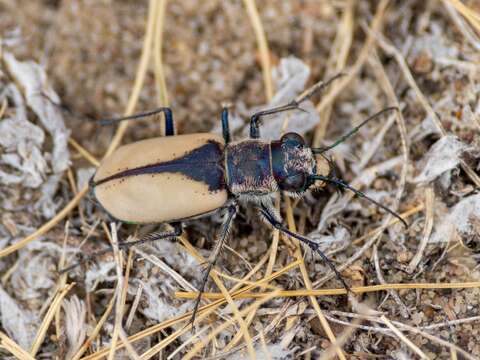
pixel 248 165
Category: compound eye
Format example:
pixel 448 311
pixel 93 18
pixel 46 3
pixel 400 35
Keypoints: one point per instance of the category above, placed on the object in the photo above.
pixel 293 138
pixel 294 183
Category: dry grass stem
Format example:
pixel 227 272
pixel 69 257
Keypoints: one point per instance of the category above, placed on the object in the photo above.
pixel 403 338
pixel 139 77
pixel 84 152
pixel 113 145
pixel 336 62
pixel 160 83
pixel 47 320
pixel 134 307
pixel 96 330
pixel 62 280
pixel 342 83
pixel 262 46
pixel 381 75
pixel 341 291
pixel 118 290
pixel 342 339
pixel 199 345
pixel 403 308
pixel 427 230
pixel 408 328
pixel 203 312
pixel 466 31
pixel 472 17
pixel 128 346
pixel 228 297
pixel 3 107
pixel 161 86
pixel 166 269
pixel 402 63
pixel 13 348
pixel 47 226
pixel 308 283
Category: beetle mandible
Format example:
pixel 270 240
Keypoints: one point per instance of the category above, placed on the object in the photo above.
pixel 176 178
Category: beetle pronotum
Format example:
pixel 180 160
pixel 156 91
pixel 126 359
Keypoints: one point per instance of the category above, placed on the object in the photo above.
pixel 176 178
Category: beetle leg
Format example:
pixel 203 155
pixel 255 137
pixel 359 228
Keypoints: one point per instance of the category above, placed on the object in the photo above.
pixel 292 105
pixel 170 128
pixel 255 119
pixel 177 231
pixel 212 259
pixel 225 125
pixel 169 123
pixel 269 213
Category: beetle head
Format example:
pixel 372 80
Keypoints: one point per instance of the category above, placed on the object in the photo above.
pixel 294 164
pixel 297 167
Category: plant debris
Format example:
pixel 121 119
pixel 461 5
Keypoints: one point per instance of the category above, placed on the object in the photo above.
pixel 61 68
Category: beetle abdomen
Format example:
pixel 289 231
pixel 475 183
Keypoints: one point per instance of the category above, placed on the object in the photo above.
pixel 163 179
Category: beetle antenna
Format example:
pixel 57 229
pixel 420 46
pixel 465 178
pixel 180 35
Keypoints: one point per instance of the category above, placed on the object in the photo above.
pixel 319 86
pixel 64 108
pixel 134 117
pixel 344 185
pixel 354 130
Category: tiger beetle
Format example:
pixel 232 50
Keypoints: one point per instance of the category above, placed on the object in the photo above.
pixel 176 178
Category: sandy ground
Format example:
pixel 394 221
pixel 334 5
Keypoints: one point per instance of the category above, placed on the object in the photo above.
pixel 64 64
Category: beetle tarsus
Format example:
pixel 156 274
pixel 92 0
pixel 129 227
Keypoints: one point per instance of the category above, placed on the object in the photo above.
pixel 203 284
pixel 302 110
pixel 169 123
pixel 292 105
pixel 319 86
pixel 255 119
pixel 267 213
